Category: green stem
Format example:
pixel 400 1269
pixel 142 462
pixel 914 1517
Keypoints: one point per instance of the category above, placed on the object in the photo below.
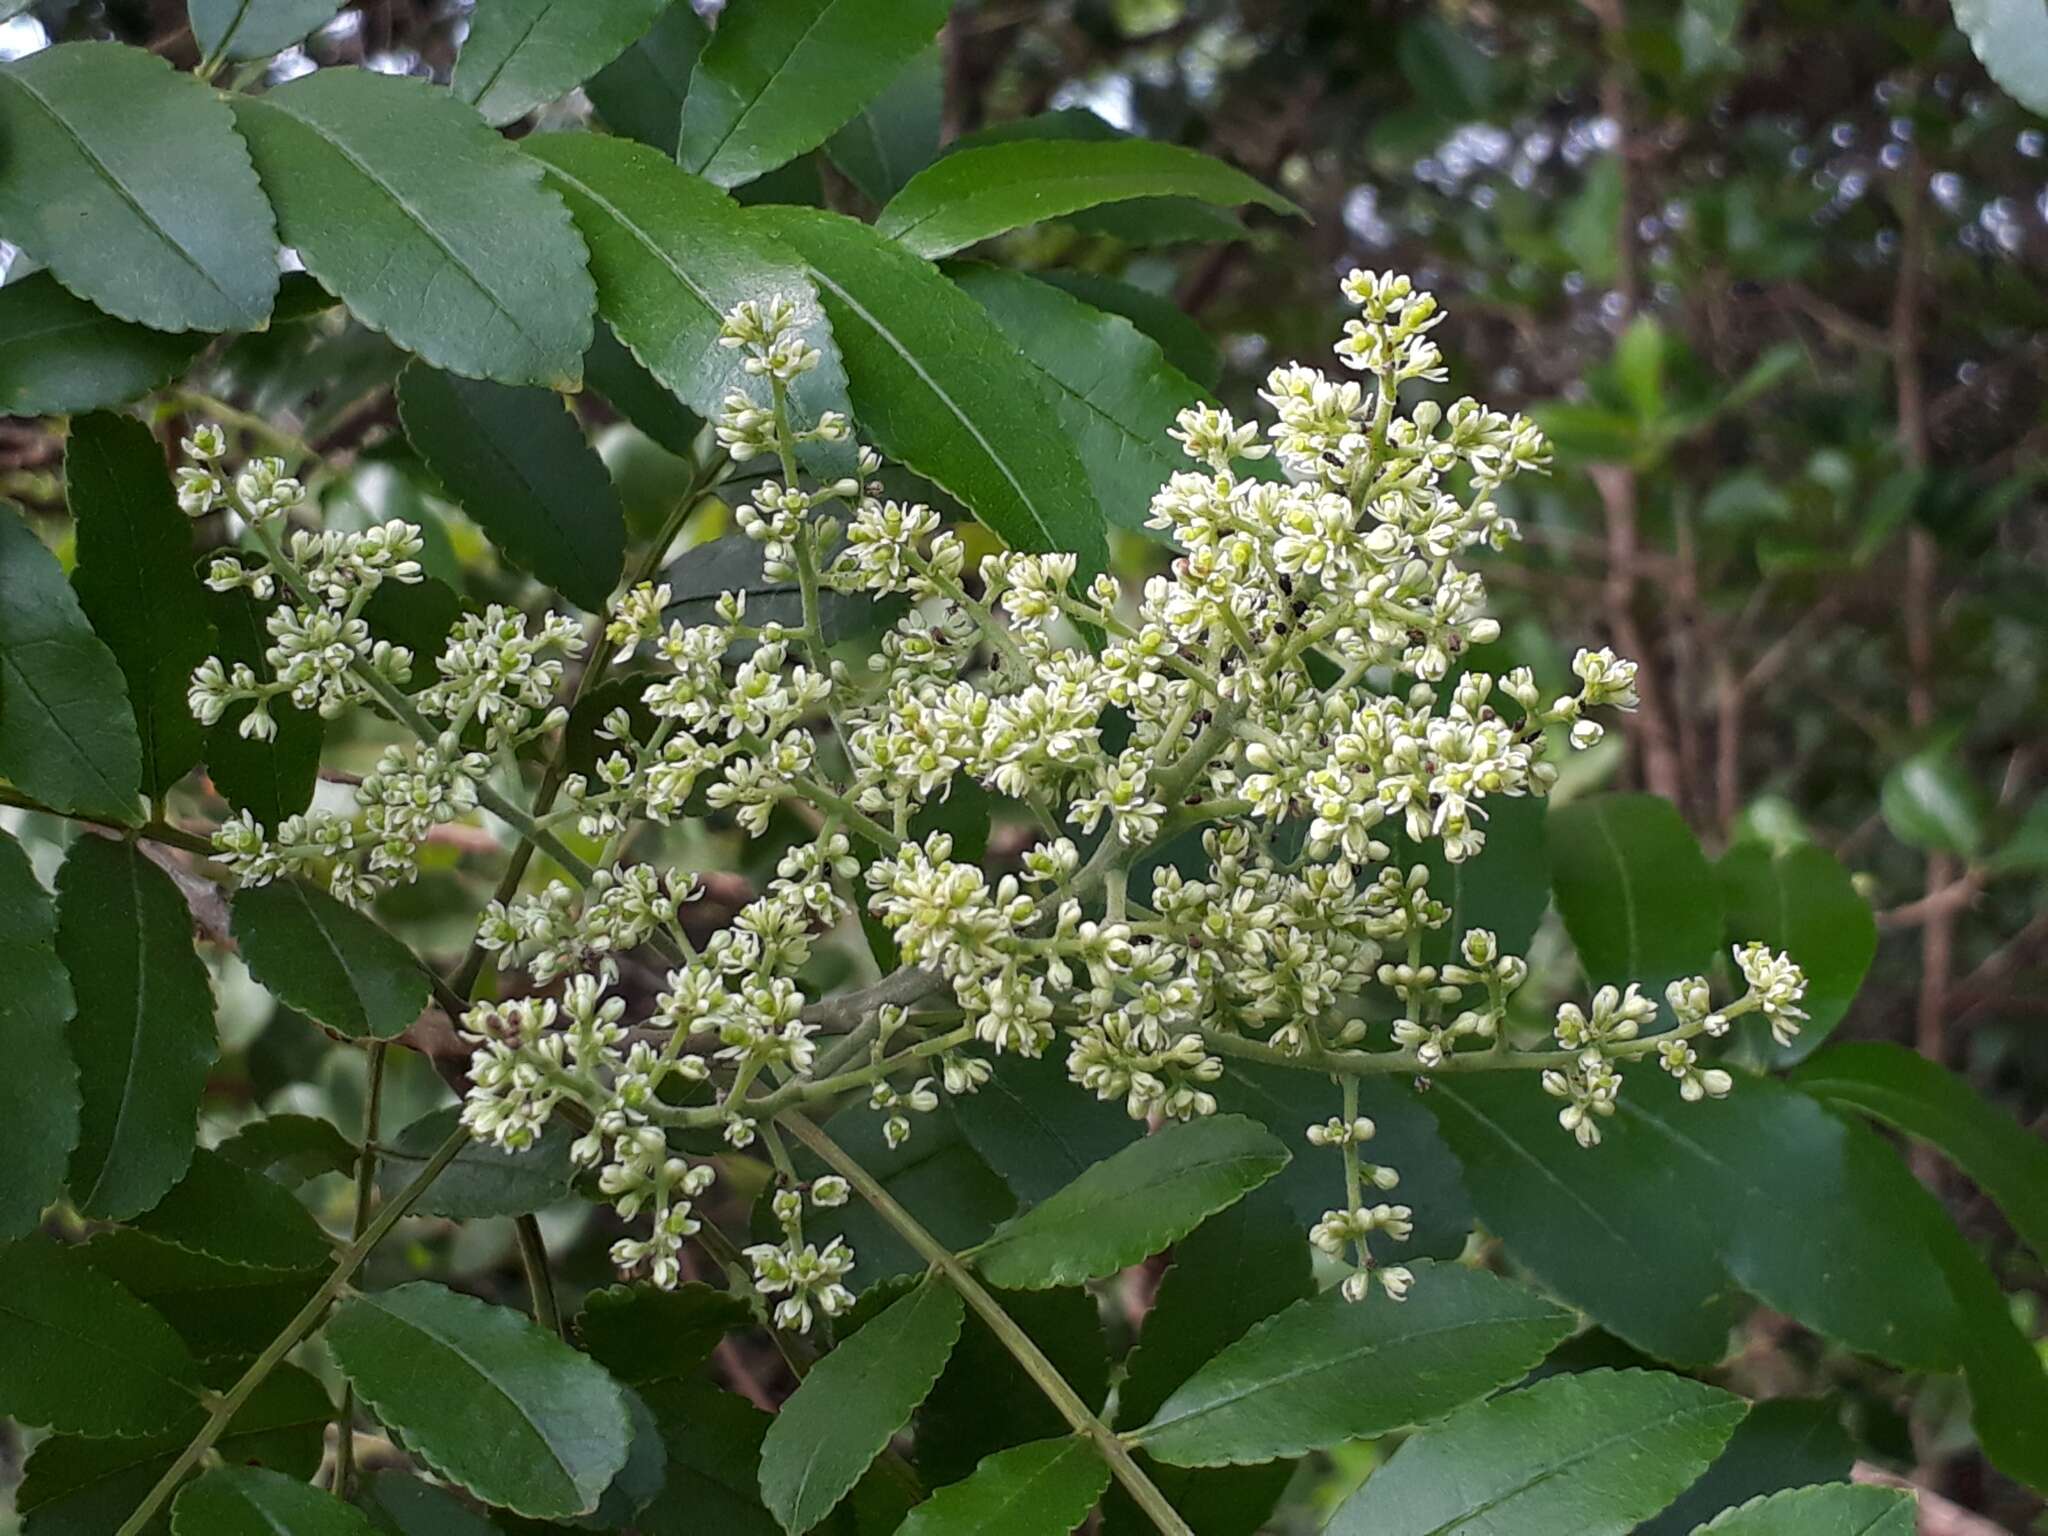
pixel 295 1331
pixel 1369 1063
pixel 1042 1371
pixel 540 1283
pixel 366 1192
pixel 156 830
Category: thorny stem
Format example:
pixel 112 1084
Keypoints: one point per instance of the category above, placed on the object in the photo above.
pixel 289 1338
pixel 366 1191
pixel 1043 1373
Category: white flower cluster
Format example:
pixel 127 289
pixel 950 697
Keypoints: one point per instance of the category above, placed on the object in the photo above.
pixel 1612 1035
pixel 1218 764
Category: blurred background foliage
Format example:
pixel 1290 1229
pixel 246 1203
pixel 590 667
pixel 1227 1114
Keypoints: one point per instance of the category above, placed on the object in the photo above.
pixel 1772 276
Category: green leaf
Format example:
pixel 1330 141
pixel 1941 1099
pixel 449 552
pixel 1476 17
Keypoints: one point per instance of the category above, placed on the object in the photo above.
pixel 938 388
pixel 222 1311
pixel 1140 221
pixel 290 1148
pixel 1109 383
pixel 1186 345
pixel 67 735
pixel 429 226
pixel 1328 1370
pixel 936 1175
pixel 80 1355
pixel 2010 37
pixel 39 1089
pixel 2026 850
pixel 255 29
pixel 484 1397
pixel 1639 364
pixel 327 960
pixel 1637 896
pixel 1925 1100
pixel 522 54
pixel 269 779
pixel 78 1487
pixel 59 354
pixel 973 194
pixel 2001 1365
pixel 714 1462
pixel 1710 1179
pixel 1787 1442
pixel 640 93
pixel 641 1334
pixel 1583 1455
pixel 1833 1510
pixel 1132 1204
pixel 516 461
pixel 1930 801
pixel 1448 73
pixel 616 374
pixel 127 179
pixel 852 1403
pixel 1588 434
pixel 134 580
pixel 1595 1227
pixel 1035 1131
pixel 897 135
pixel 1800 900
pixel 227 1212
pixel 415 1508
pixel 779 76
pixel 672 256
pixel 143 1034
pixel 253 1501
pixel 1042 1489
pixel 484 1180
pixel 1236 1269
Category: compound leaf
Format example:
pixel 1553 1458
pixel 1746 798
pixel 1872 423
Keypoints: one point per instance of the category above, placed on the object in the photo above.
pixel 60 354
pixel 1042 1489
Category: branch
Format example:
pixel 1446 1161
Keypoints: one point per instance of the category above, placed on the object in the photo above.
pixel 307 1319
pixel 1143 1491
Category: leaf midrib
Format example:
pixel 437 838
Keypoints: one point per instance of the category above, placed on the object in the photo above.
pixel 92 157
pixel 404 205
pixel 1266 1384
pixel 1556 1469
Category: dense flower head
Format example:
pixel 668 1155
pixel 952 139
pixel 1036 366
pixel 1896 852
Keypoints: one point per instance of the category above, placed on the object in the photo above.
pixel 1237 773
